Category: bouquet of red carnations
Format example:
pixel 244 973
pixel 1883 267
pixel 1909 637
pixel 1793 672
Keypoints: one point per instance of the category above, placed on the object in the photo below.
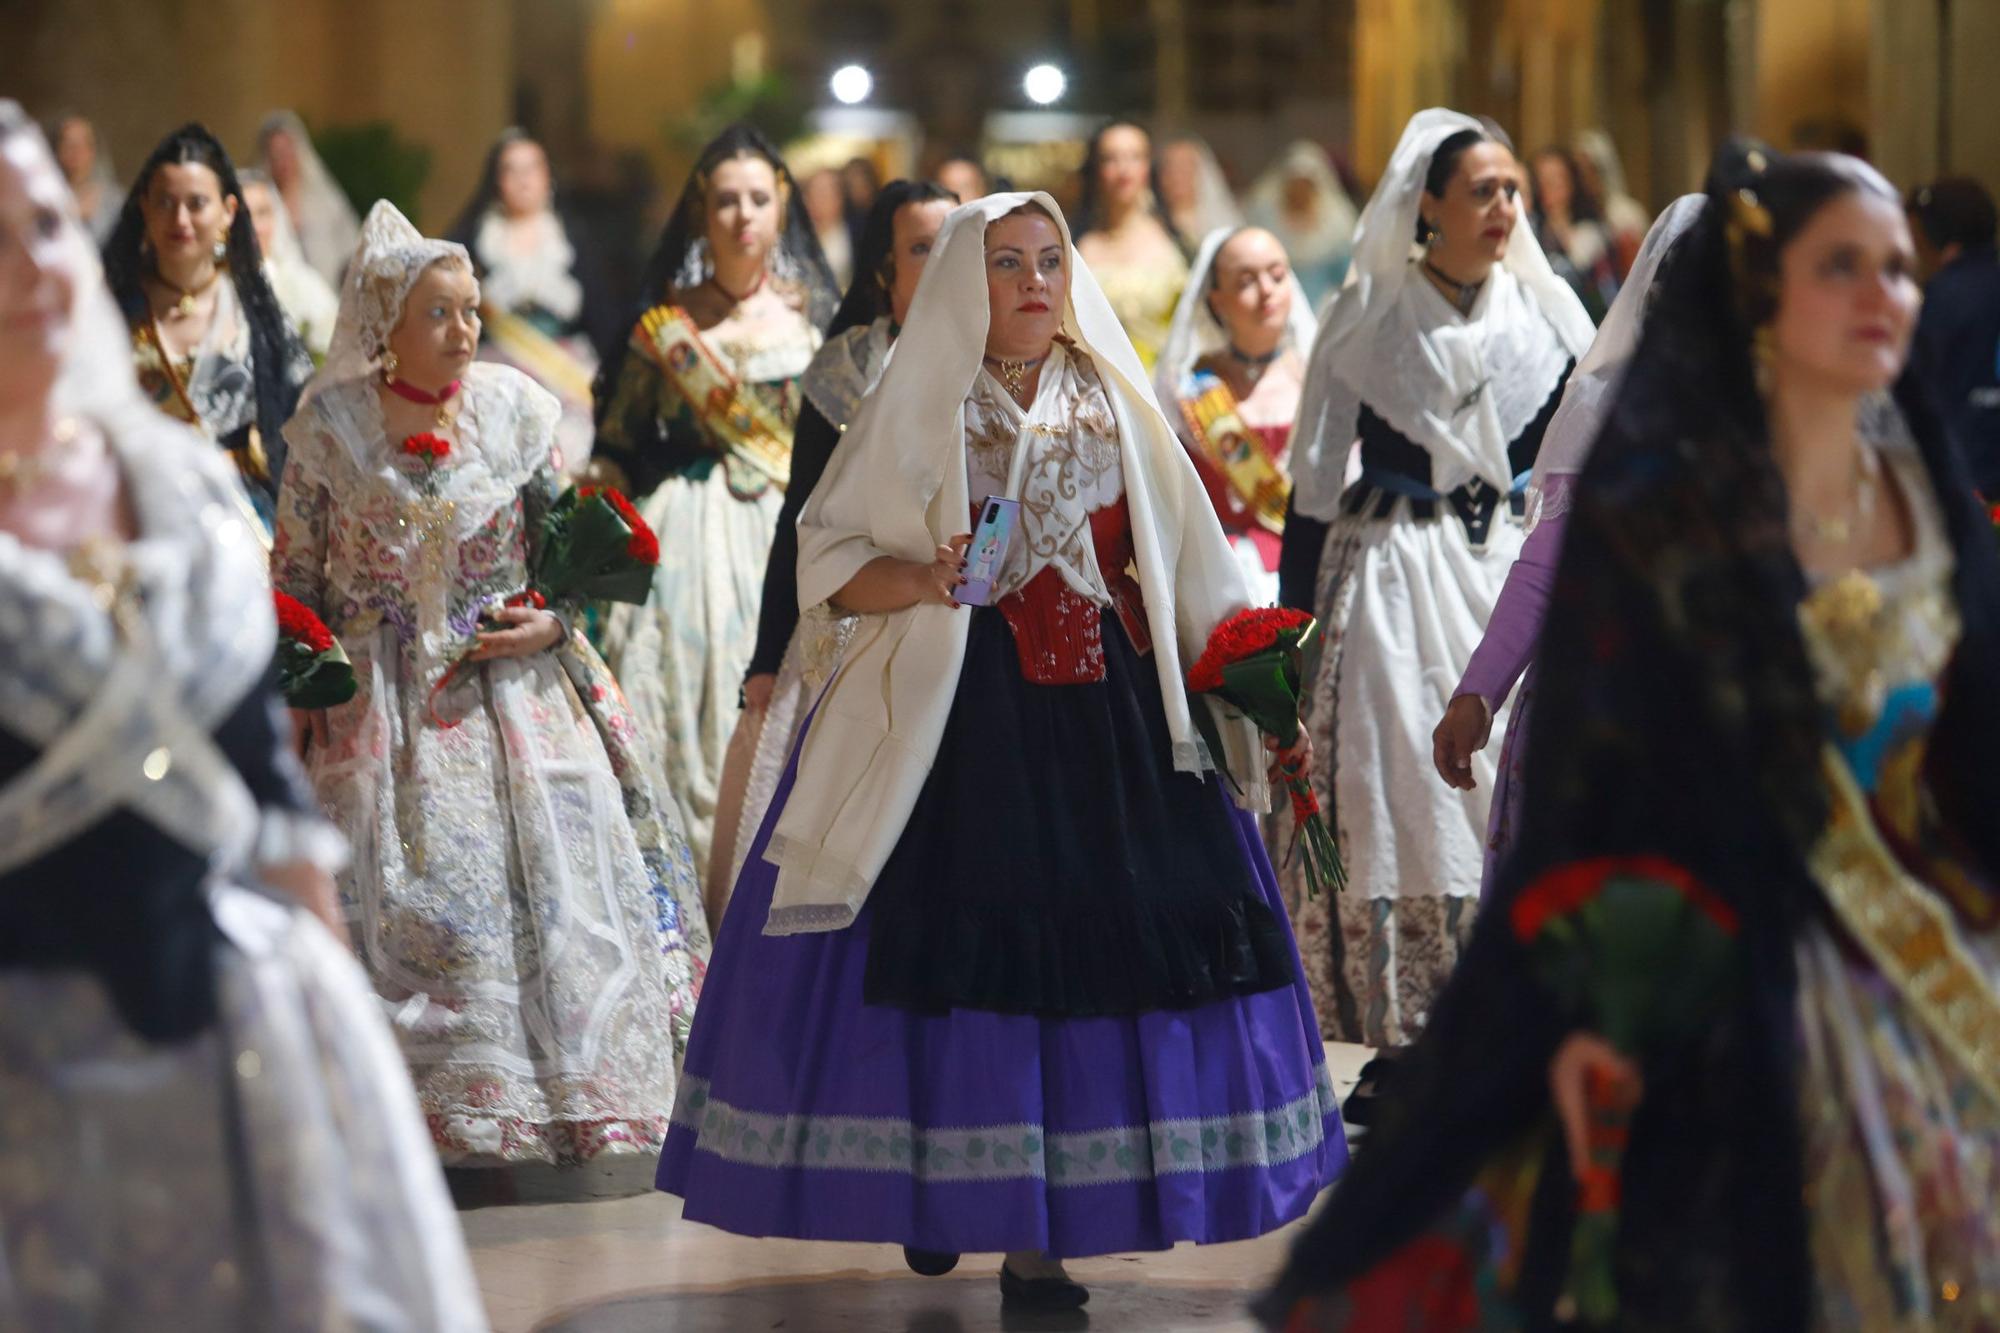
pixel 313 670
pixel 1255 663
pixel 595 547
pixel 1641 952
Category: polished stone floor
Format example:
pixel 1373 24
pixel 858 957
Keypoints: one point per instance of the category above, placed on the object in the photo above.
pixel 551 1261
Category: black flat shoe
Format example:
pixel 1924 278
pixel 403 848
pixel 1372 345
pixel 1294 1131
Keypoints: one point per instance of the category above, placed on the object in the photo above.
pixel 929 1263
pixel 1041 1293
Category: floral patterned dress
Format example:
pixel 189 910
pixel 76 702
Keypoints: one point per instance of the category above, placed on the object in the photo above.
pixel 527 908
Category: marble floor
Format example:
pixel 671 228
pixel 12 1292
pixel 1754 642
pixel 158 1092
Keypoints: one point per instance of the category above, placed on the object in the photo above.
pixel 552 1259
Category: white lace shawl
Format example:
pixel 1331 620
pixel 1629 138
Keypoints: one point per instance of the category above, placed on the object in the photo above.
pixel 1461 387
pixel 541 276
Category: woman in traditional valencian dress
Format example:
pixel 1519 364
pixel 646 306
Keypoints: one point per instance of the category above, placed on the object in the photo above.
pixel 1015 975
pixel 212 345
pixel 1444 363
pixel 1124 237
pixel 695 414
pixel 1230 375
pixel 204 1121
pixel 527 907
pixel 547 312
pixel 1767 693
pixel 789 664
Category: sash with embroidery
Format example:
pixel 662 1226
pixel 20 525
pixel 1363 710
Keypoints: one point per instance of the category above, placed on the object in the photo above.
pixel 161 380
pixel 1235 450
pixel 542 357
pixel 754 439
pixel 1907 931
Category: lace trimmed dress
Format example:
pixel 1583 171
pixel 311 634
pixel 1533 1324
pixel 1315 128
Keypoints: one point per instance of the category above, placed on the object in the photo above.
pixel 526 904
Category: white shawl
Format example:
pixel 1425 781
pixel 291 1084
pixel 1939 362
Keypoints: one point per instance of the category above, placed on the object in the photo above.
pixel 897 486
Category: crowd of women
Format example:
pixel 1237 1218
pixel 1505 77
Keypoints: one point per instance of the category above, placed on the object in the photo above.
pixel 885 907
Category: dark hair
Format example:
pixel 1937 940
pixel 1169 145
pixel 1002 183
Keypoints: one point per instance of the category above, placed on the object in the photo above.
pixel 1583 202
pixel 1956 210
pixel 1090 200
pixel 273 346
pixel 1444 163
pixel 1690 410
pixel 867 298
pixel 688 227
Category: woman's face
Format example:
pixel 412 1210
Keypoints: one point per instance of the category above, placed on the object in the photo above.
pixel 186 212
pixel 522 175
pixel 1847 296
pixel 439 331
pixel 915 233
pixel 1180 175
pixel 43 264
pixel 1478 208
pixel 1554 189
pixel 1027 286
pixel 825 204
pixel 1124 163
pixel 263 206
pixel 1252 291
pixel 281 156
pixel 964 179
pixel 76 149
pixel 744 208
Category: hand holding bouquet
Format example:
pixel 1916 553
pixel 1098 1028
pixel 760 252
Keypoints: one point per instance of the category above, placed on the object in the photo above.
pixel 1254 662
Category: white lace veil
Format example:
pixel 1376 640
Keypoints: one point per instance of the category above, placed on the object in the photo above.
pixel 1195 332
pixel 1573 429
pixel 1399 365
pixel 1214 202
pixel 1333 232
pixel 391 257
pixel 327 228
pixel 285 247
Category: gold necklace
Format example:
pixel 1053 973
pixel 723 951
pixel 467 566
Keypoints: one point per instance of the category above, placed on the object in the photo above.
pixel 1841 530
pixel 21 472
pixel 185 306
pixel 1014 374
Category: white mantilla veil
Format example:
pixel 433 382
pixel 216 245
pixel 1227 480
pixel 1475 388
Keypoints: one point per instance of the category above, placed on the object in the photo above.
pixel 1594 384
pixel 391 256
pixel 326 221
pixel 1463 388
pixel 1195 333
pixel 898 486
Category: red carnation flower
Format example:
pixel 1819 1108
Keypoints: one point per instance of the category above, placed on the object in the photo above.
pixel 1243 635
pixel 427 445
pixel 644 546
pixel 296 621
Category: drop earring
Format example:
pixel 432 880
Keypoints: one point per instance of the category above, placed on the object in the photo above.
pixel 220 250
pixel 390 363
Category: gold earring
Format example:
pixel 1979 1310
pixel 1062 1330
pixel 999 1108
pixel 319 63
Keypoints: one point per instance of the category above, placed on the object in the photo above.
pixel 1762 348
pixel 221 249
pixel 390 363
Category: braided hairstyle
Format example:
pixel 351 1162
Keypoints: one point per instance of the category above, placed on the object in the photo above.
pixel 274 347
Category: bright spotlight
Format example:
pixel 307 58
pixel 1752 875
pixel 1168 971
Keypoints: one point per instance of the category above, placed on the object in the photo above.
pixel 1044 84
pixel 851 84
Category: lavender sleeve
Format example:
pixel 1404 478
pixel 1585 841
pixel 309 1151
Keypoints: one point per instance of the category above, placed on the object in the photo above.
pixel 1503 654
